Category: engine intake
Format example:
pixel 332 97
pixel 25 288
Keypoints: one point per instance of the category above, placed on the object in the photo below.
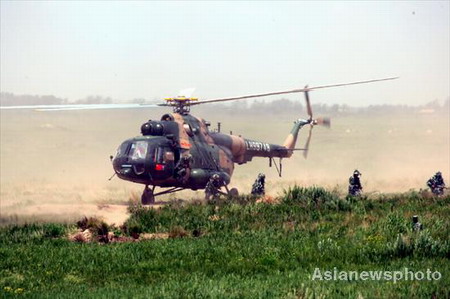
pixel 153 128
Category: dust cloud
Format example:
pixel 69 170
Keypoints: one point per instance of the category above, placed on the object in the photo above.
pixel 55 165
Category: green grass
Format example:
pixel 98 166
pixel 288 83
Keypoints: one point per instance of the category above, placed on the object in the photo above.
pixel 245 249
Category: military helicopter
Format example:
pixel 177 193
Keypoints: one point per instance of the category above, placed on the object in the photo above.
pixel 179 151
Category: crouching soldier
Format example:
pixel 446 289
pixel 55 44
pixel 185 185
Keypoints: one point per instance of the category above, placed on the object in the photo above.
pixel 355 187
pixel 182 169
pixel 436 184
pixel 258 188
pixel 212 189
pixel 416 225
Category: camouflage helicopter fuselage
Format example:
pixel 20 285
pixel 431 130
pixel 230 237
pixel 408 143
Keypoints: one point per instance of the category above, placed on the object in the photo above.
pixel 180 151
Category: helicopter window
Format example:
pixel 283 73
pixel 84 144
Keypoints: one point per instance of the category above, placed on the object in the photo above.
pixel 138 150
pixel 122 149
pixel 159 155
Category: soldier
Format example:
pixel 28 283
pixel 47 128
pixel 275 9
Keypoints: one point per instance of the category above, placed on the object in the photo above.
pixel 258 188
pixel 212 189
pixel 436 184
pixel 355 187
pixel 182 167
pixel 416 225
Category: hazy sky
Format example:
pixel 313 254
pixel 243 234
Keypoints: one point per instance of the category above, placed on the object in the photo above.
pixel 149 50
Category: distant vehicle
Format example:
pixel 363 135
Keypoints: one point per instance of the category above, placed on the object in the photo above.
pixel 180 152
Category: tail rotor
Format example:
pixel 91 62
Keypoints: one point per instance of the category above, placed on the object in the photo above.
pixel 322 121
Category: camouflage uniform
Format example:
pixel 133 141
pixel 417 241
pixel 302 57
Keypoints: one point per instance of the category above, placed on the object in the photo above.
pixel 258 186
pixel 212 187
pixel 436 184
pixel 181 169
pixel 355 187
pixel 416 225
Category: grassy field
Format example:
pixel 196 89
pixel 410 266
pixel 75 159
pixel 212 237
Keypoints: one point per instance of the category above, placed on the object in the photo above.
pixel 239 248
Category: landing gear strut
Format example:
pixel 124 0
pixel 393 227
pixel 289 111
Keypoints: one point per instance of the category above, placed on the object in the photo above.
pixel 148 197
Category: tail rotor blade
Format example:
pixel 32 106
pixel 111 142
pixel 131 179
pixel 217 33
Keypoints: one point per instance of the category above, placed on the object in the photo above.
pixel 305 152
pixel 308 104
pixel 324 121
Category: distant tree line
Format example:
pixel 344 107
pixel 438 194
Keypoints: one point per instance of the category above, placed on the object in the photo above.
pixel 259 107
pixel 10 99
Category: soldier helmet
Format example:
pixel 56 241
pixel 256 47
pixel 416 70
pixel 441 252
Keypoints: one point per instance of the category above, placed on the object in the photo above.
pixel 215 176
pixel 356 172
pixel 438 173
pixel 261 175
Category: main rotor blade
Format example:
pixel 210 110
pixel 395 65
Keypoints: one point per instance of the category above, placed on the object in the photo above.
pixel 288 91
pixel 70 107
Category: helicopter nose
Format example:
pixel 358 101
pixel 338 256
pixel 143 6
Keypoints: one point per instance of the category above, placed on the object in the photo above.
pixel 126 169
pixel 121 166
pixel 123 169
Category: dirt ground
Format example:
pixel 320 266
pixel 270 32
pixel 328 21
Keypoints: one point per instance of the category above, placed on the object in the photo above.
pixel 55 165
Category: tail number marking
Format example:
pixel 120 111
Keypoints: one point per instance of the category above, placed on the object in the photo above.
pixel 257 146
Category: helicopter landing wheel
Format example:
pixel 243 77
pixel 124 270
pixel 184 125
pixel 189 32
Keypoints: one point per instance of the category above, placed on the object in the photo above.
pixel 233 193
pixel 147 197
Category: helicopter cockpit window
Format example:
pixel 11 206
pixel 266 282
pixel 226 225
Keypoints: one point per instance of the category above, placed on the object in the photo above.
pixel 122 149
pixel 138 150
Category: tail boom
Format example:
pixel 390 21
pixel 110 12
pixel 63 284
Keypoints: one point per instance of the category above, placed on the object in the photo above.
pixel 291 139
pixel 243 150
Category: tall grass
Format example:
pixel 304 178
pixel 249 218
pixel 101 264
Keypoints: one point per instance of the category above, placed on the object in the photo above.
pixel 239 249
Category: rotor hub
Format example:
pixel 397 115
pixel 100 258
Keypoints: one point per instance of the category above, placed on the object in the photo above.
pixel 180 104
